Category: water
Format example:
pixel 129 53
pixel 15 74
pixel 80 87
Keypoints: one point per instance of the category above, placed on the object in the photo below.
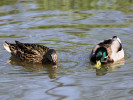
pixel 72 28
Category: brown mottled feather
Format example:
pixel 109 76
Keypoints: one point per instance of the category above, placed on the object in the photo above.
pixel 28 52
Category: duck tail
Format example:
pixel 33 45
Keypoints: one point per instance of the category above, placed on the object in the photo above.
pixel 6 46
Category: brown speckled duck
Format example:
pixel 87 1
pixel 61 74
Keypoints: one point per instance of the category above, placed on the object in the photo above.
pixel 109 50
pixel 32 53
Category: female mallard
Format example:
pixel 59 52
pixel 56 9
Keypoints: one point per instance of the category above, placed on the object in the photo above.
pixel 32 53
pixel 109 50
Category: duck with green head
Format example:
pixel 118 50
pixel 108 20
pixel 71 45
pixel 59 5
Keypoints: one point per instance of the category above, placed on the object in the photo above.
pixel 109 50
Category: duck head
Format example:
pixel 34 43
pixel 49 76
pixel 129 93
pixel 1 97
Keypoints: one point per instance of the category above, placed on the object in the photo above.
pixel 101 54
pixel 51 57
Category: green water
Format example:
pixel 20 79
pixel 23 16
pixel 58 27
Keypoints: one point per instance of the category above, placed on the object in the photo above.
pixel 72 28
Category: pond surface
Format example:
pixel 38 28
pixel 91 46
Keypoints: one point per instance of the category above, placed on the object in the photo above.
pixel 72 28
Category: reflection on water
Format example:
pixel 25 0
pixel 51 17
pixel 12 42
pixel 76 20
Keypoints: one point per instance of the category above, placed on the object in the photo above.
pixel 45 5
pixel 72 28
pixel 11 36
pixel 108 67
pixel 34 68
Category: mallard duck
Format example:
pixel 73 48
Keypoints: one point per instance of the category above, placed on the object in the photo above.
pixel 109 50
pixel 32 53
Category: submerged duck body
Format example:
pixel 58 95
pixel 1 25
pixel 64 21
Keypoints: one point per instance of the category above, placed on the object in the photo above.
pixel 109 50
pixel 32 53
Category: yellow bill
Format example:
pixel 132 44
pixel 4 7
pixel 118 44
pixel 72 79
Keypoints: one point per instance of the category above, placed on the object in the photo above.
pixel 98 64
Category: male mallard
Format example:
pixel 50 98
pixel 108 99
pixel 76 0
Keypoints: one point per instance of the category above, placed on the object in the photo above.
pixel 32 53
pixel 109 50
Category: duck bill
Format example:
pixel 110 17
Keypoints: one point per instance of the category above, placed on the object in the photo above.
pixel 54 61
pixel 54 65
pixel 98 64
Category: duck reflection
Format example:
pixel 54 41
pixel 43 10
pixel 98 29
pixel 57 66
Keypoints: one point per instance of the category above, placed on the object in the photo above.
pixel 35 68
pixel 108 67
